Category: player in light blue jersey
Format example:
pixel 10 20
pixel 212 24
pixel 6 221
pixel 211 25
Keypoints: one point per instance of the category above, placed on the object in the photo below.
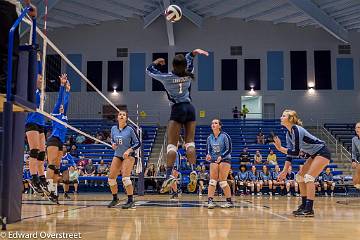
pixel 177 85
pixel 242 180
pixel 218 152
pixel 301 141
pixel 35 133
pixel 125 141
pixel 275 174
pixel 57 138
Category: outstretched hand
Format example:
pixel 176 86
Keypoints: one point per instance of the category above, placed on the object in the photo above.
pixel 63 79
pixel 200 51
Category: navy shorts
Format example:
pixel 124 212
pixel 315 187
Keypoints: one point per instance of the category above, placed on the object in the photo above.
pixel 55 142
pixel 183 112
pixel 323 152
pixel 226 160
pixel 131 155
pixel 34 127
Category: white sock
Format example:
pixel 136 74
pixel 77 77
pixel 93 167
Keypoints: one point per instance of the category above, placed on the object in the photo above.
pixel 51 185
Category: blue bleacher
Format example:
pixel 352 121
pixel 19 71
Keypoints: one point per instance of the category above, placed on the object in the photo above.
pixel 343 132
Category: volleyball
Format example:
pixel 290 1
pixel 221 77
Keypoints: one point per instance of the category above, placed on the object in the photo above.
pixel 173 13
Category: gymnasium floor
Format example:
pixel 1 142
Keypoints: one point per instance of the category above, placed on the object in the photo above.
pixel 156 217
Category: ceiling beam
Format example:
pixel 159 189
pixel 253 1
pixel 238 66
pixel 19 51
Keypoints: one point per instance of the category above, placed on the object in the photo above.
pixel 97 10
pixel 151 17
pixel 266 12
pixel 319 16
pixel 345 11
pixel 237 9
pixel 169 27
pixel 192 16
pixel 75 16
pixel 287 17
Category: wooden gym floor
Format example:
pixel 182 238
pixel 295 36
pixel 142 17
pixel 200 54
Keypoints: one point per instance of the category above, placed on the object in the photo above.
pixel 157 217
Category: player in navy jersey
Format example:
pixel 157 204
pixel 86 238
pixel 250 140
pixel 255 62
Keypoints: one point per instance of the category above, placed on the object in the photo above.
pixel 35 133
pixel 125 141
pixel 276 182
pixel 57 138
pixel 301 141
pixel 177 85
pixel 218 150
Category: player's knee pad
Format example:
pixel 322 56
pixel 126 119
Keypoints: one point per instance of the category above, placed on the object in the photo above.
pixel 223 184
pixel 126 181
pixel 299 178
pixel 34 153
pixel 308 178
pixel 41 156
pixel 52 167
pixel 112 182
pixel 213 182
pixel 171 148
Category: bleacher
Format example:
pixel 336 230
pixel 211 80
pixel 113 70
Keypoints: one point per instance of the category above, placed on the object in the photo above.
pixel 343 132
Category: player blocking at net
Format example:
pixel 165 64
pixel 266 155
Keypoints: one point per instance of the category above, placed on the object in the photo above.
pixel 57 138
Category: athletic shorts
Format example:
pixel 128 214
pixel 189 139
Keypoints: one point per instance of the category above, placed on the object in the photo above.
pixel 131 155
pixel 34 127
pixel 226 160
pixel 323 152
pixel 56 142
pixel 183 112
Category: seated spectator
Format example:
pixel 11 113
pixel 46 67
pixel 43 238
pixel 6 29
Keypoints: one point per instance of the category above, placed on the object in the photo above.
pixel 235 112
pixel 265 179
pixel 162 170
pixel 73 151
pixel 291 183
pixel 231 181
pixel 260 138
pixel 99 137
pixel 81 165
pixel 253 178
pixel 271 158
pixel 277 183
pixel 80 139
pixel 242 180
pixel 74 178
pixel 102 170
pixel 244 157
pixel 203 179
pixel 257 157
pixel 328 182
pixel 89 171
pixel 149 177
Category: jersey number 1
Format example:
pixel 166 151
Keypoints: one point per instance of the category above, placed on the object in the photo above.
pixel 180 88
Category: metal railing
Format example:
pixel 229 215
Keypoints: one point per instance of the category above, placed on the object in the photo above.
pixel 344 153
pixel 161 155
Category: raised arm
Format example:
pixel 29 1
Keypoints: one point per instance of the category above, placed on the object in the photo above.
pixel 63 80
